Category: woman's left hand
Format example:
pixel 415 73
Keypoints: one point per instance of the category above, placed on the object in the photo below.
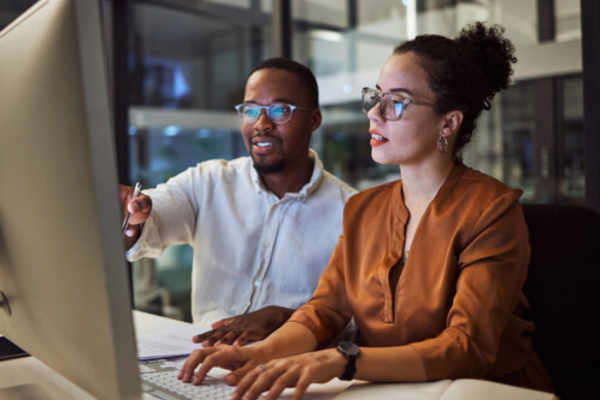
pixel 297 371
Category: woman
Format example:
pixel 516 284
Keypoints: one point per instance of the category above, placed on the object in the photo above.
pixel 432 266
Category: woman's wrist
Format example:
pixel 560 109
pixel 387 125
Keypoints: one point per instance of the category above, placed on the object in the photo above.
pixel 261 352
pixel 338 362
pixel 333 359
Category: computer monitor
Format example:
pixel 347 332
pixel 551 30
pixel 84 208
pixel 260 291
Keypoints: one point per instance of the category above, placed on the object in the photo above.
pixel 63 276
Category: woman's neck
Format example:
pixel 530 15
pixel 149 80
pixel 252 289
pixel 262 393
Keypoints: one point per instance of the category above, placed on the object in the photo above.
pixel 421 183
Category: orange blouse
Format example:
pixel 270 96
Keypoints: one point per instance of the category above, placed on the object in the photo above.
pixel 458 301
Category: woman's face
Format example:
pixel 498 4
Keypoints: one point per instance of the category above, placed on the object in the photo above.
pixel 412 139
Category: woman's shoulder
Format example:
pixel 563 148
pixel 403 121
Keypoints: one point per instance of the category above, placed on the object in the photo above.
pixel 381 193
pixel 373 204
pixel 471 195
pixel 474 185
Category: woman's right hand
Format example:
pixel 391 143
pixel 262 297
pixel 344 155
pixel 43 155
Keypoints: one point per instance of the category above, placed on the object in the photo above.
pixel 139 207
pixel 237 359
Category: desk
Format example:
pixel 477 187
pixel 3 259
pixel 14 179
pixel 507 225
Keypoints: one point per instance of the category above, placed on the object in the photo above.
pixel 30 370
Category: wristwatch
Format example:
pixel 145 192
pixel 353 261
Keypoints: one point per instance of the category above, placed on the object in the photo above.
pixel 351 351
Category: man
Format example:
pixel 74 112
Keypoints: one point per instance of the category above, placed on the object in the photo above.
pixel 262 227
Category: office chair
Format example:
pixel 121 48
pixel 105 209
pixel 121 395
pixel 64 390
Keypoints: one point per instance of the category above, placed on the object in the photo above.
pixel 563 288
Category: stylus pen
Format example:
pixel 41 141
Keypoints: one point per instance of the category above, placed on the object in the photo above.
pixel 136 192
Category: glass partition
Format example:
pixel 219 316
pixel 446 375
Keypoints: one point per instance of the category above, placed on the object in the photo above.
pixel 188 68
pixel 189 61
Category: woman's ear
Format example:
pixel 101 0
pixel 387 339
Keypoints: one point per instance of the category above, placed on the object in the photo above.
pixel 451 123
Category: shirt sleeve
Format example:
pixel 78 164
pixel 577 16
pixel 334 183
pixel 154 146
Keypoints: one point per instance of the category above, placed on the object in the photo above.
pixel 172 220
pixel 327 312
pixel 493 266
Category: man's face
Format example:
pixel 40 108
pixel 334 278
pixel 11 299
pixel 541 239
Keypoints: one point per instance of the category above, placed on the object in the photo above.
pixel 277 148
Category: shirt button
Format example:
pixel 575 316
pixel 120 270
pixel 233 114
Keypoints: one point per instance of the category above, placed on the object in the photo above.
pixel 256 283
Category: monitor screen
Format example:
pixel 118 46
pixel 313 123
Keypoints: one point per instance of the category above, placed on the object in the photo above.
pixel 63 276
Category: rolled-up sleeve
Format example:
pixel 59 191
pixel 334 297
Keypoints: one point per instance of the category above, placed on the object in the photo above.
pixel 173 217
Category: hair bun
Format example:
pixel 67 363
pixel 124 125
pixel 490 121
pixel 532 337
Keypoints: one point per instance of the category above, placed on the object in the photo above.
pixel 495 52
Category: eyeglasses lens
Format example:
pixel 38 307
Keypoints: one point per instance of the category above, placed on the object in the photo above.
pixel 391 108
pixel 370 98
pixel 279 113
pixel 394 109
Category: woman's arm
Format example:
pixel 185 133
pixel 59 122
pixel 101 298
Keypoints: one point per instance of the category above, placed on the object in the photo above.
pixel 390 364
pixel 493 267
pixel 382 364
pixel 292 338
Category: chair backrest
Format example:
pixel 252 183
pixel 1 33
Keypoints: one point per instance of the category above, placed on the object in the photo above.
pixel 563 288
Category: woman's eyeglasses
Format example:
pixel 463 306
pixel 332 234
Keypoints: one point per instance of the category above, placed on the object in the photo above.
pixel 279 113
pixel 392 104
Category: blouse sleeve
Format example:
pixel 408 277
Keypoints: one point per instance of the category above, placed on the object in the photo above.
pixel 327 312
pixel 493 266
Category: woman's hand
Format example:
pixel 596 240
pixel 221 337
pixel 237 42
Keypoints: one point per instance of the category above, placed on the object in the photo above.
pixel 237 359
pixel 296 371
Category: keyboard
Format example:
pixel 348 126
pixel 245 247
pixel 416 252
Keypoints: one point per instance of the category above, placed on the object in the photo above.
pixel 159 379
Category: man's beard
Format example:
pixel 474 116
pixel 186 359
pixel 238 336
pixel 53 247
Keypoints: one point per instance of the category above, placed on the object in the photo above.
pixel 269 168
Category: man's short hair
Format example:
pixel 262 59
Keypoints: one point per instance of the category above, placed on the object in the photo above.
pixel 307 78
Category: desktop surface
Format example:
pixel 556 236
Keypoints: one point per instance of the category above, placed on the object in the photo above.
pixel 24 371
pixel 29 370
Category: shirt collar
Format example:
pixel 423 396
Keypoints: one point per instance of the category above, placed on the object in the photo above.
pixel 306 190
pixel 399 207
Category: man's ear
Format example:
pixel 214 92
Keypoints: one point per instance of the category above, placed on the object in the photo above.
pixel 451 123
pixel 315 119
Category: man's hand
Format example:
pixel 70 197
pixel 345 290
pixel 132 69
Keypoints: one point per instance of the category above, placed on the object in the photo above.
pixel 245 328
pixel 139 207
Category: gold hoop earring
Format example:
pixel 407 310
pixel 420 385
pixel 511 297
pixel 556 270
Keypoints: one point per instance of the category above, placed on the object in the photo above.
pixel 442 144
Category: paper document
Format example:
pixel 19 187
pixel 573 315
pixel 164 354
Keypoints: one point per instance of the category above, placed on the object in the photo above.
pixel 171 342
pixel 461 389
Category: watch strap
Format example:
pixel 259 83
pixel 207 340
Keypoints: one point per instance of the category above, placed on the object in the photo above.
pixel 351 352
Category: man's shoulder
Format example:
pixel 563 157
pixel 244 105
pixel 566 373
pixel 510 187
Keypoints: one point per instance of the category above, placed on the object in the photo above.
pixel 332 182
pixel 223 167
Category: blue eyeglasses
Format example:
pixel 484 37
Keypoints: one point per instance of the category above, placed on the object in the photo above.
pixel 279 113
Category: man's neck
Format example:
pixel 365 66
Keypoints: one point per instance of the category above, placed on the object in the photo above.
pixel 291 179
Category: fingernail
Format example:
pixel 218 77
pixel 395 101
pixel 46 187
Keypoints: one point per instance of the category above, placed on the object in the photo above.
pixel 217 343
pixel 129 232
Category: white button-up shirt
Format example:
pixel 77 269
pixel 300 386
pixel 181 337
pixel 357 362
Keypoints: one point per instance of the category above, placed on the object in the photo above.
pixel 251 248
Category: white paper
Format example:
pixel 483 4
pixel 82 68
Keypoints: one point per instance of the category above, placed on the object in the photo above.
pixel 463 389
pixel 392 391
pixel 171 342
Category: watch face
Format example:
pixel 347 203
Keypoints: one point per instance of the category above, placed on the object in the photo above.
pixel 349 348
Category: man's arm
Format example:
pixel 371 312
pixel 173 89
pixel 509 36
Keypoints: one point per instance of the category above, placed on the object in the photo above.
pixel 245 328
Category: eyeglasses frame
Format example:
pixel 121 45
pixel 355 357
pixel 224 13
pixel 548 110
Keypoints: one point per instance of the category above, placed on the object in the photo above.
pixel 380 96
pixel 266 108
